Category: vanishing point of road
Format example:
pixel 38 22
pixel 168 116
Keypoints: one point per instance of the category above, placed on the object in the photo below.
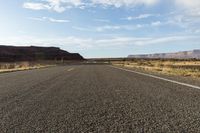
pixel 95 98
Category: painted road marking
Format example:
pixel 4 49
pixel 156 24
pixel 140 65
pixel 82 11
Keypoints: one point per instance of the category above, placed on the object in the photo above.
pixel 157 77
pixel 71 69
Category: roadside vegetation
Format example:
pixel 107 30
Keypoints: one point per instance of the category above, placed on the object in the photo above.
pixel 25 65
pixel 187 68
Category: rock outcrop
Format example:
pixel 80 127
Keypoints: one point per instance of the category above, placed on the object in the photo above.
pixel 32 53
pixel 195 54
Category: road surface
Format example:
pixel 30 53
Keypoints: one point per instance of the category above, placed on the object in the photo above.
pixel 95 98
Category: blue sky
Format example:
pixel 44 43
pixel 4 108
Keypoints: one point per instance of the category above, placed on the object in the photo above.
pixel 102 28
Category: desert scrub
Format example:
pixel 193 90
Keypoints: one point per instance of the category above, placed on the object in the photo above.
pixel 187 68
pixel 18 66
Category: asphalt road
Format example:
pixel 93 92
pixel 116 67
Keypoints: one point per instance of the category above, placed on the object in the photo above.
pixel 95 98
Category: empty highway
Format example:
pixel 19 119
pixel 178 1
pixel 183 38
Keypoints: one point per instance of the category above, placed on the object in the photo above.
pixel 95 98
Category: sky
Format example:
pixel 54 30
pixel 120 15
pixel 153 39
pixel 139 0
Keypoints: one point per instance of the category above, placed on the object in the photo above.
pixel 102 28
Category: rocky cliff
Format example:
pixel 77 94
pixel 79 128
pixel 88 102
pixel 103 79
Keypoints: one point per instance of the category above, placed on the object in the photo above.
pixel 32 53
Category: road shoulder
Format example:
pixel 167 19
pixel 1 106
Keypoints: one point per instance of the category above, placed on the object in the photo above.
pixel 187 80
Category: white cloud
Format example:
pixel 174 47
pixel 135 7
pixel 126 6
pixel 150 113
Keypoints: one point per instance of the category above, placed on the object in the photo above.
pixel 141 16
pixel 37 19
pixel 107 27
pixel 55 5
pixel 142 41
pixel 68 42
pixel 58 20
pixel 186 15
pixel 191 9
pixel 156 23
pixel 118 27
pixel 127 3
pixel 61 5
pixel 77 43
pixel 36 6
pixel 163 40
pixel 50 19
pixel 191 4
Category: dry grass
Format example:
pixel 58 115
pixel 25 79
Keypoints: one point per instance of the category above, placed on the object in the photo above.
pixel 19 66
pixel 170 67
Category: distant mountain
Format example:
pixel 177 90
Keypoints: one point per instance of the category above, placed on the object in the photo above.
pixel 195 54
pixel 32 53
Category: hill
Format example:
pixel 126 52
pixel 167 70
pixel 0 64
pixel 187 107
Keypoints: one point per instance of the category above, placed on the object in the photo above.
pixel 195 54
pixel 32 53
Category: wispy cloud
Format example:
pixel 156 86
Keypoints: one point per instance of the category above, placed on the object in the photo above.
pixel 141 16
pixel 78 43
pixel 36 6
pixel 190 4
pixel 105 28
pixel 127 3
pixel 142 41
pixel 37 19
pixel 49 19
pixel 190 14
pixel 61 5
pixel 70 42
pixel 58 20
pixel 156 23
pixel 108 27
pixel 186 18
pixel 54 5
pixel 118 27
